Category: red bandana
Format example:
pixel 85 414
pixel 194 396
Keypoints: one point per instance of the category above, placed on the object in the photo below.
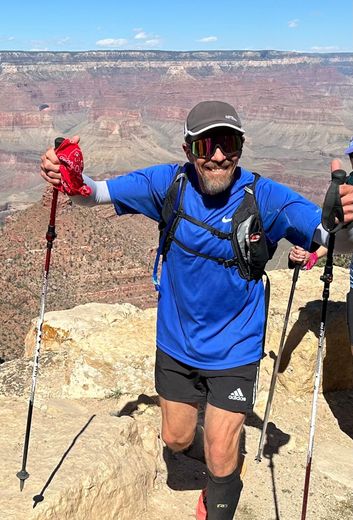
pixel 71 168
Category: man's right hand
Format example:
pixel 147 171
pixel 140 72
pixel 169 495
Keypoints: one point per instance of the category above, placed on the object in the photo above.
pixel 50 164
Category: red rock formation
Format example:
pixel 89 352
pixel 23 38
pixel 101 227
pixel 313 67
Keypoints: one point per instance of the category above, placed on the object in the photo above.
pixel 292 105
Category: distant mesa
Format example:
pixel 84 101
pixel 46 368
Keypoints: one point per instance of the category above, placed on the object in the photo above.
pixel 43 106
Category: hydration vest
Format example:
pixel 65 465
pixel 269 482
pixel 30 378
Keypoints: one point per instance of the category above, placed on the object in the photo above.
pixel 250 247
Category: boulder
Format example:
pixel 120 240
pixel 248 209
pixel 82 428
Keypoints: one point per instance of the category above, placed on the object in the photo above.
pixel 95 350
pixel 83 463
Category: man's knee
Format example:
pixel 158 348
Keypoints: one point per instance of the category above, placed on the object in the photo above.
pixel 178 424
pixel 177 440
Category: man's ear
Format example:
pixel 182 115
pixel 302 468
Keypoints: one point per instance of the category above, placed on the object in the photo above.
pixel 188 153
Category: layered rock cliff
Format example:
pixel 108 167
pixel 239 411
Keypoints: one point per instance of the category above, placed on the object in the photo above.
pixel 129 107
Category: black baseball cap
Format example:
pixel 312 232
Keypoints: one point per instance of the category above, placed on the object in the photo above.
pixel 210 114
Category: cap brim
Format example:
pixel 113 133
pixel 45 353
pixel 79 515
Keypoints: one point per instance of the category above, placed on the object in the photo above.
pixel 214 125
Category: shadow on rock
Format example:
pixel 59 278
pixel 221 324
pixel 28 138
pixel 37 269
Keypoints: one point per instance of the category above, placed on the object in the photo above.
pixel 40 497
pixel 337 352
pixel 337 369
pixel 132 406
pixel 184 473
pixel 275 439
pixel 341 405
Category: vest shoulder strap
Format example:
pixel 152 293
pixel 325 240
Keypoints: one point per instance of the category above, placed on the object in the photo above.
pixel 171 203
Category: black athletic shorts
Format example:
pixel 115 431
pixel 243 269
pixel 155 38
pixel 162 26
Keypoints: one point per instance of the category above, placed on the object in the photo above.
pixel 233 389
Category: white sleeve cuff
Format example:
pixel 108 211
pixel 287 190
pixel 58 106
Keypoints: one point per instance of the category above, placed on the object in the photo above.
pixel 100 193
pixel 343 240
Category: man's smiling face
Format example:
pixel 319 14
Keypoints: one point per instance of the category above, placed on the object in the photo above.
pixel 215 171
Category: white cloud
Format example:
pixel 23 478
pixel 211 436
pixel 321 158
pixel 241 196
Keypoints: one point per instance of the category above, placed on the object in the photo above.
pixel 208 39
pixel 141 35
pixel 153 42
pixel 4 38
pixel 292 24
pixel 111 42
pixel 147 39
pixel 327 48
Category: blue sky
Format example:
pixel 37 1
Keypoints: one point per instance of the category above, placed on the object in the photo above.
pixel 296 25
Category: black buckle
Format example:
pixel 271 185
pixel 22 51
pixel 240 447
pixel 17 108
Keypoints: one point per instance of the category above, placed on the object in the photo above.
pixel 230 263
pixel 220 234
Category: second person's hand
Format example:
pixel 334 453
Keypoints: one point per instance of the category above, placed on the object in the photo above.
pixel 298 255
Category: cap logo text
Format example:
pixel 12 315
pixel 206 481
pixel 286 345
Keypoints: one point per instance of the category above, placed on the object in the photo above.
pixel 230 117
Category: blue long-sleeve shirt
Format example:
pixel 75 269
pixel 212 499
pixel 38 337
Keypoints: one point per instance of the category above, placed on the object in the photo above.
pixel 208 316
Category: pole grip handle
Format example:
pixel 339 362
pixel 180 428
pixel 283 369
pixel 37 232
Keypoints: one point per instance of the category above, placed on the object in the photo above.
pixel 332 210
pixel 339 177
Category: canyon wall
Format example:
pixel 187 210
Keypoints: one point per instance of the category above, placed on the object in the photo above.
pixel 129 108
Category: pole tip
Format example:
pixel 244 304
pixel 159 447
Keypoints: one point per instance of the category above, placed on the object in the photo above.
pixel 37 499
pixel 22 475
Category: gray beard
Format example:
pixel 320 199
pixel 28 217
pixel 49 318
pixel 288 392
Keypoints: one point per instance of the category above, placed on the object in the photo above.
pixel 215 185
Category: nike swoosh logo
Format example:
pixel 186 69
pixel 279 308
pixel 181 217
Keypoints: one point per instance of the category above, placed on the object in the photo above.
pixel 225 219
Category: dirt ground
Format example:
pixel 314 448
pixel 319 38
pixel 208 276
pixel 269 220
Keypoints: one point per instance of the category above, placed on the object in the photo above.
pixel 273 488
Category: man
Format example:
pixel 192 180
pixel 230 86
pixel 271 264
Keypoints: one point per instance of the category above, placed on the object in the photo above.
pixel 210 322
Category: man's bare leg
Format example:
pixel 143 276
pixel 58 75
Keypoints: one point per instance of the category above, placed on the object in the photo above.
pixel 179 422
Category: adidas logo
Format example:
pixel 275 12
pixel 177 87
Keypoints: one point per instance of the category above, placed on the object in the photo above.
pixel 237 395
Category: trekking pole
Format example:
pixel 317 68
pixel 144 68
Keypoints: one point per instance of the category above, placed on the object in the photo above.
pixel 332 210
pixel 258 457
pixel 50 236
pixel 327 279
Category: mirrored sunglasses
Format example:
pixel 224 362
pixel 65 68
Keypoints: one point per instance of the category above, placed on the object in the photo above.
pixel 204 148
